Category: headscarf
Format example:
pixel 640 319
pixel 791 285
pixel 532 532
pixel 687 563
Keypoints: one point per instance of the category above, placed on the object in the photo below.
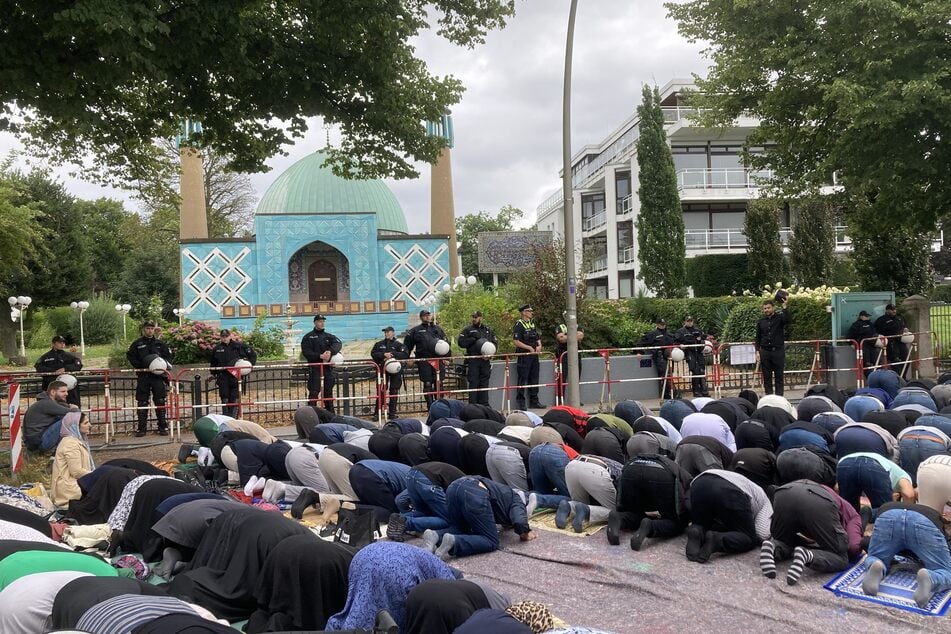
pixel 69 428
pixel 535 615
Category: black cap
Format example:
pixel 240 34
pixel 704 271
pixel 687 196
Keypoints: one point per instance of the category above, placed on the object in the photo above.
pixel 59 339
pixel 477 313
pixel 660 320
pixel 889 306
pixel 864 313
pixel 148 323
pixel 525 307
pixel 424 312
pixel 389 329
pixel 319 318
pixel 224 332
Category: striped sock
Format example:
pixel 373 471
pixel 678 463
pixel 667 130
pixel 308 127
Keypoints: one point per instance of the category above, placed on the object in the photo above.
pixel 801 557
pixel 767 560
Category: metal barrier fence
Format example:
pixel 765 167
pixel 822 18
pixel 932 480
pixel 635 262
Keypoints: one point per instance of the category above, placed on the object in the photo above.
pixel 940 313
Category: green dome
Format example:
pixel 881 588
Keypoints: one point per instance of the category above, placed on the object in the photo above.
pixel 310 188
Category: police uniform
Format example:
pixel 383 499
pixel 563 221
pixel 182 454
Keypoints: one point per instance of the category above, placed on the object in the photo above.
pixel 863 333
pixel 315 343
pixel 391 382
pixel 691 335
pixel 422 340
pixel 140 353
pixel 771 345
pixel 560 349
pixel 55 360
pixel 659 339
pixel 891 326
pixel 479 369
pixel 527 366
pixel 225 355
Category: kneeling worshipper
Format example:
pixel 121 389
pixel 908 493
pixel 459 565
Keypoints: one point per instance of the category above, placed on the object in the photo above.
pixel 439 606
pixel 17 515
pixel 124 613
pixel 507 463
pixel 423 503
pixel 80 594
pixel 181 528
pixel 730 514
pixel 650 483
pixel 138 537
pixel 592 486
pixel 25 604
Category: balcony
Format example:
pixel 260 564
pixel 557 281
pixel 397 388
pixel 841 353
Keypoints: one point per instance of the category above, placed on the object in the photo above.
pixel 725 178
pixel 626 255
pixel 673 114
pixel 701 241
pixel 594 222
pixel 625 206
pixel 599 264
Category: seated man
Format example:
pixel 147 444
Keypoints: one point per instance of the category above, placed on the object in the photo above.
pixel 42 420
pixel 476 505
pixel 423 503
pixel 813 526
pixel 650 482
pixel 913 527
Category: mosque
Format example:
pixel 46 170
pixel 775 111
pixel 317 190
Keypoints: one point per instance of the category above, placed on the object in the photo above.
pixel 321 245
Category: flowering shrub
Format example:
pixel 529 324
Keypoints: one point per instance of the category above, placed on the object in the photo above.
pixel 192 342
pixel 819 293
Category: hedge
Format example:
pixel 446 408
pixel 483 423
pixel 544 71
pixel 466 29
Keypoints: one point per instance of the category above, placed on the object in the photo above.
pixel 810 320
pixel 718 275
pixel 710 313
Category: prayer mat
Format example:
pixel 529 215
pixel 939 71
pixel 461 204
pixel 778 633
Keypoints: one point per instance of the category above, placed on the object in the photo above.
pixel 895 591
pixel 545 520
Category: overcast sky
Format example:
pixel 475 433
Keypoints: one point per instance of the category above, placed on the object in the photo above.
pixel 508 124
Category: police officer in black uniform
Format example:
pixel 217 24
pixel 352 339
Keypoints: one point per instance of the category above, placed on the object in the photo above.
pixel 561 347
pixel 659 339
pixel 690 335
pixel 225 355
pixel 422 339
pixel 771 344
pixel 527 339
pixel 58 361
pixel 480 368
pixel 318 346
pixel 141 352
pixel 383 350
pixel 863 333
pixel 891 325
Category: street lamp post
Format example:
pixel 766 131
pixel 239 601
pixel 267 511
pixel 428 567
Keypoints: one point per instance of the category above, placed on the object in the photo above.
pixel 124 310
pixel 180 313
pixel 18 306
pixel 571 314
pixel 81 307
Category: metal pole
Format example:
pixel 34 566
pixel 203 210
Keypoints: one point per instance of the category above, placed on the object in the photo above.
pixel 22 340
pixel 82 334
pixel 573 389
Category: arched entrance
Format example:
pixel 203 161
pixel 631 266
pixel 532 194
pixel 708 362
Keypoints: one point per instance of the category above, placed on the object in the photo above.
pixel 318 272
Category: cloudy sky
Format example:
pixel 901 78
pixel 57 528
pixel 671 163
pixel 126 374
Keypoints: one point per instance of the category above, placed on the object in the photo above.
pixel 508 124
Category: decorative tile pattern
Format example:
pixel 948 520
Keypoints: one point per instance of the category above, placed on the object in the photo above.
pixel 415 274
pixel 214 279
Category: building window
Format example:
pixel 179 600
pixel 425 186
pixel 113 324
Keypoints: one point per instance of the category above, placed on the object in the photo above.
pixel 622 184
pixel 591 205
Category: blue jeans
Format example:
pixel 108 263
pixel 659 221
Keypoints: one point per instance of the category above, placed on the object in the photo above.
pixel 903 529
pixel 915 397
pixel 863 475
pixel 51 436
pixel 801 438
pixel 546 465
pixel 916 447
pixel 429 509
pixel 471 519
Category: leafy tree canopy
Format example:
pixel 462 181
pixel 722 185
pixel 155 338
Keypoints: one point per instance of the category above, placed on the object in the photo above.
pixel 108 77
pixel 859 88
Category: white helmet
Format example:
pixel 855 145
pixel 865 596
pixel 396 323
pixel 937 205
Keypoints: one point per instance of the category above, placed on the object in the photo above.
pixel 707 347
pixel 245 366
pixel 442 347
pixel 159 366
pixel 68 379
pixel 488 348
pixel 881 341
pixel 392 366
pixel 907 337
pixel 337 358
pixel 677 354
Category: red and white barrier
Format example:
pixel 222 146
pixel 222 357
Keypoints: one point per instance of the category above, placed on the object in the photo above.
pixel 16 429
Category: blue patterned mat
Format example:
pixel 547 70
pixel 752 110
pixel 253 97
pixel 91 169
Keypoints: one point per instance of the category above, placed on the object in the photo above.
pixel 896 589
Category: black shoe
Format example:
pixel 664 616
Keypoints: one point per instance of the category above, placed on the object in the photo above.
pixel 306 499
pixel 140 433
pixel 711 544
pixel 162 432
pixel 642 533
pixel 396 528
pixel 694 542
pixel 185 451
pixel 614 528
pixel 537 405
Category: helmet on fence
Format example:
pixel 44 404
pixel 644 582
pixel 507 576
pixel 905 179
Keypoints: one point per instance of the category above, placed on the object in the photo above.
pixel 337 358
pixel 245 366
pixel 907 336
pixel 677 354
pixel 442 347
pixel 486 347
pixel 392 366
pixel 69 380
pixel 881 342
pixel 157 365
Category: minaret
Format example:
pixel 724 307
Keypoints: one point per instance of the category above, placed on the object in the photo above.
pixel 443 211
pixel 193 219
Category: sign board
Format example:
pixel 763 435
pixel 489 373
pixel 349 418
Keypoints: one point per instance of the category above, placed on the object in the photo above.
pixel 846 308
pixel 509 251
pixel 743 354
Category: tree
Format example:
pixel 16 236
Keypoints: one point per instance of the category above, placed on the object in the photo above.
pixel 111 76
pixel 19 234
pixel 764 248
pixel 467 234
pixel 101 220
pixel 660 222
pixel 151 269
pixel 812 244
pixel 853 88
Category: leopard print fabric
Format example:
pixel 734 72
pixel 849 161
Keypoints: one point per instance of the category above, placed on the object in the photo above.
pixel 535 615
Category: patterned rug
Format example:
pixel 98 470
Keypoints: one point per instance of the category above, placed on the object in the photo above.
pixel 545 520
pixel 895 591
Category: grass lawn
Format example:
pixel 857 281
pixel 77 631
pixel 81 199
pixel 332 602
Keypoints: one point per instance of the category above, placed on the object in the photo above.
pixel 96 357
pixel 35 469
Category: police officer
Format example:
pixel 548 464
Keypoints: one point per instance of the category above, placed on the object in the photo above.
pixel 422 340
pixel 659 339
pixel 891 325
pixel 771 345
pixel 480 368
pixel 690 335
pixel 561 348
pixel 527 339
pixel 318 346
pixel 383 350
pixel 58 361
pixel 140 354
pixel 863 332
pixel 224 355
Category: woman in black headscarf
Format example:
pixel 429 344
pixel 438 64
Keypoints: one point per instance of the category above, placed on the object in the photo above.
pixel 97 503
pixel 439 606
pixel 227 564
pixel 138 535
pixel 79 595
pixel 302 584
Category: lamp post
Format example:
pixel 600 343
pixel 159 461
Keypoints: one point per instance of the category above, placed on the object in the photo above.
pixel 18 306
pixel 81 307
pixel 123 309
pixel 180 313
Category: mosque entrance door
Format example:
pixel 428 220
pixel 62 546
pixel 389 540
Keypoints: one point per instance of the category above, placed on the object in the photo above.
pixel 322 281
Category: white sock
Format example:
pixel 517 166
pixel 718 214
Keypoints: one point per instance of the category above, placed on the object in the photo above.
pixel 249 487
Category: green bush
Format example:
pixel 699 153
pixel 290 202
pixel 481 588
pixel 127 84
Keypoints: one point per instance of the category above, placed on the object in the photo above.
pixel 101 322
pixel 710 313
pixel 117 358
pixel 940 293
pixel 809 320
pixel 41 332
pixel 718 275
pixel 498 313
pixel 191 342
pixel 60 322
pixel 741 323
pixel 268 341
pixel 609 324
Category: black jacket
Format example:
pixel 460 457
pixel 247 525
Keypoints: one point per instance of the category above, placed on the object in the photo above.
pixel 861 329
pixel 889 326
pixel 316 342
pixel 144 347
pixel 771 331
pixel 691 336
pixel 423 339
pixel 225 356
pixel 53 361
pixel 470 335
pixel 657 337
pixel 394 347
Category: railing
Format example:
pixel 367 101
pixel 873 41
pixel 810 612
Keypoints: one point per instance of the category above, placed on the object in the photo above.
pixel 625 205
pixel 672 114
pixel 706 239
pixel 594 222
pixel 599 264
pixel 552 202
pixel 626 255
pixel 722 178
